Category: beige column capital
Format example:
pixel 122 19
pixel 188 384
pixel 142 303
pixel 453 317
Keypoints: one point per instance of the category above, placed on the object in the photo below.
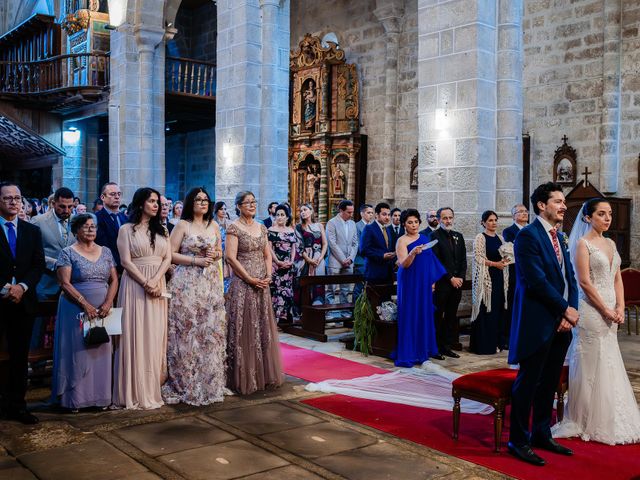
pixel 148 37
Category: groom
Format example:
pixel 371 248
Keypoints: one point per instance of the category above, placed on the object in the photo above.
pixel 544 311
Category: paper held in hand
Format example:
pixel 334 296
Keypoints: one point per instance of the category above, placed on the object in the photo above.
pixel 113 322
pixel 506 250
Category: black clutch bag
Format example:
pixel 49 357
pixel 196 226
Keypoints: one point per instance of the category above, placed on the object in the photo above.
pixel 93 334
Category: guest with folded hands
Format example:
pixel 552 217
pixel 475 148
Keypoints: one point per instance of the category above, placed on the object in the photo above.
pixel 145 253
pixel 87 274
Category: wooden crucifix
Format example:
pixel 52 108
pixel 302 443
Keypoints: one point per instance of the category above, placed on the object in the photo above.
pixel 586 174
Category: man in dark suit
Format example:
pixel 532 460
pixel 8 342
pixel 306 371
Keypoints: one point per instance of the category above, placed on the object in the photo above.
pixel 110 219
pixel 165 207
pixel 520 216
pixel 21 266
pixel 396 229
pixel 432 223
pixel 452 253
pixel 271 209
pixel 544 312
pixel 375 247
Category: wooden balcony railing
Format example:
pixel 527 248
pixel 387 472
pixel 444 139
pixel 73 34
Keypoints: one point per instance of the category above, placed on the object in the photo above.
pixel 185 76
pixel 62 72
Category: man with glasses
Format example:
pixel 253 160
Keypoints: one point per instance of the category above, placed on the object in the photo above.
pixel 110 219
pixel 56 235
pixel 21 266
pixel 165 208
pixel 432 223
pixel 520 216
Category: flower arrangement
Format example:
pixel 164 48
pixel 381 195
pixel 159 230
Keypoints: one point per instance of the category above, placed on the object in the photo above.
pixel 506 251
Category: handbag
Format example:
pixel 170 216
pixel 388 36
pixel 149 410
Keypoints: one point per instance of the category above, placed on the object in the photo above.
pixel 92 333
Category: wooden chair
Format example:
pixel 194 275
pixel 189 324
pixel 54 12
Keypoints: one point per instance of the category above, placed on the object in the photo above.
pixel 631 282
pixel 493 387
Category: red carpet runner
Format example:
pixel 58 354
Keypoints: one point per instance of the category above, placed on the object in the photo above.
pixel 316 367
pixel 433 428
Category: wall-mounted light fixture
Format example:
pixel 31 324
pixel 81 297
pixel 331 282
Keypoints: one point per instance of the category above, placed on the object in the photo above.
pixel 117 14
pixel 71 136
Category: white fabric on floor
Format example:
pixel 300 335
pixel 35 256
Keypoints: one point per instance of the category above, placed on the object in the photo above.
pixel 427 386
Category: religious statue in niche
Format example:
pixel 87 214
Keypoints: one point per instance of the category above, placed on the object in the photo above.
pixel 313 185
pixel 564 164
pixel 338 180
pixel 309 95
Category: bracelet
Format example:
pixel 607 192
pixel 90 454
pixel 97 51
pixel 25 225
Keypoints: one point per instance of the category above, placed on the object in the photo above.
pixel 193 260
pixel 80 299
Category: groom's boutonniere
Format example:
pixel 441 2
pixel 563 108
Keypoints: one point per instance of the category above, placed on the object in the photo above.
pixel 565 240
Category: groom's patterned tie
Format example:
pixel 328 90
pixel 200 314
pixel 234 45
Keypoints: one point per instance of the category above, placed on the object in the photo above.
pixel 556 245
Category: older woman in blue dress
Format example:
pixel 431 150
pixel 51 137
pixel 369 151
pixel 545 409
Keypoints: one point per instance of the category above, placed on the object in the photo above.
pixel 87 274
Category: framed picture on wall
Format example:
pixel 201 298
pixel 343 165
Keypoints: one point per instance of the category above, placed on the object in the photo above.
pixel 565 164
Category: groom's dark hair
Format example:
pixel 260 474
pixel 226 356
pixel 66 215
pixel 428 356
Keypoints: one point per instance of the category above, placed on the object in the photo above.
pixel 542 194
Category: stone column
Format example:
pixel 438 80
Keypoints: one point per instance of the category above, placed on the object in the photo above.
pixel 390 13
pixel 136 107
pixel 457 108
pixel 610 127
pixel 252 75
pixel 509 107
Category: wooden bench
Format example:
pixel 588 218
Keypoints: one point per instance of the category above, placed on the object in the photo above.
pixel 313 320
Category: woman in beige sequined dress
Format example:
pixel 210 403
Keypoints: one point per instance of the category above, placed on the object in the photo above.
pixel 253 352
pixel 140 359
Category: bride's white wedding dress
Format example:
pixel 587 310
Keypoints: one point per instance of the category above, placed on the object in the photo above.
pixel 601 404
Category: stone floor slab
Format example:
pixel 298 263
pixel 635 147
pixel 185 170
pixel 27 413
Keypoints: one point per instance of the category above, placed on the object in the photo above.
pixel 383 461
pixel 265 418
pixel 94 459
pixel 222 461
pixel 10 468
pixel 319 440
pixel 290 472
pixel 173 436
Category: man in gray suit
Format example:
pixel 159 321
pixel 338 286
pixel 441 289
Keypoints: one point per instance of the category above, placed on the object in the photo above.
pixel 56 235
pixel 342 236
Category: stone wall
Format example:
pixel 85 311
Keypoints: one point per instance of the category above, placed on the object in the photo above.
pixel 581 79
pixel 190 163
pixel 362 36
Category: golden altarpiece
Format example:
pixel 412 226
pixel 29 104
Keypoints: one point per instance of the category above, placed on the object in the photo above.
pixel 327 154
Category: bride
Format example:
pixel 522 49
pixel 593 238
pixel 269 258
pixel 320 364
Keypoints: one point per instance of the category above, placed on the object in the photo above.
pixel 602 405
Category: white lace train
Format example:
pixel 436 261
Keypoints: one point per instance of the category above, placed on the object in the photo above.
pixel 428 386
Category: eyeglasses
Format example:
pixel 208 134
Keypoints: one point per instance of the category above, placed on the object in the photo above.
pixel 113 194
pixel 203 201
pixel 10 200
pixel 88 228
pixel 433 216
pixel 163 205
pixel 247 204
pixel 518 212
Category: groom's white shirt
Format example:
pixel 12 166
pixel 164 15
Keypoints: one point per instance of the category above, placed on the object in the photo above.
pixel 547 228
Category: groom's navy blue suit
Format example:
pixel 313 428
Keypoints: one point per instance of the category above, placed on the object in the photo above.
pixel 538 306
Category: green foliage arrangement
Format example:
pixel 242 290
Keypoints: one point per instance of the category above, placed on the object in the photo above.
pixel 363 327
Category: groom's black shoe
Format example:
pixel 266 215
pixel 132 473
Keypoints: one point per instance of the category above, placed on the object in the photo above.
pixel 438 356
pixel 525 454
pixel 551 445
pixel 450 353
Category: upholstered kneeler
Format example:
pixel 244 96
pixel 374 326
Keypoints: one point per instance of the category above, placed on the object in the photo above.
pixel 492 387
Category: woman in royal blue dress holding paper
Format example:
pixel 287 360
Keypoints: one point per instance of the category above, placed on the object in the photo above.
pixel 418 270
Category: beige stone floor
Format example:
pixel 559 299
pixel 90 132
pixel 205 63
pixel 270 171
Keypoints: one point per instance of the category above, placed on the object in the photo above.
pixel 268 435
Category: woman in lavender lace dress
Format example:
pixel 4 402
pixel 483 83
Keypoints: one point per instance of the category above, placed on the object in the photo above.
pixel 197 343
pixel 253 351
pixel 87 273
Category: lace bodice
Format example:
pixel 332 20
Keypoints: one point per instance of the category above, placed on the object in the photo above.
pixel 601 272
pixel 83 269
pixel 250 250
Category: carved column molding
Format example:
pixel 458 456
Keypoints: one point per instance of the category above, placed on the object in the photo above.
pixel 390 14
pixel 610 130
pixel 351 175
pixel 324 186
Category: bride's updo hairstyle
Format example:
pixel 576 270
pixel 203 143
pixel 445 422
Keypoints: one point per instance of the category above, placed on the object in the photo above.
pixel 590 206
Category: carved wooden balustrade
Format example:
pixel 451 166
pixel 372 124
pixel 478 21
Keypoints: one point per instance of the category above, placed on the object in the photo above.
pixel 62 72
pixel 194 78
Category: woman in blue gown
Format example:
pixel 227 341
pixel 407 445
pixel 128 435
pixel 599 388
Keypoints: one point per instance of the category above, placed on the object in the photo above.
pixel 418 270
